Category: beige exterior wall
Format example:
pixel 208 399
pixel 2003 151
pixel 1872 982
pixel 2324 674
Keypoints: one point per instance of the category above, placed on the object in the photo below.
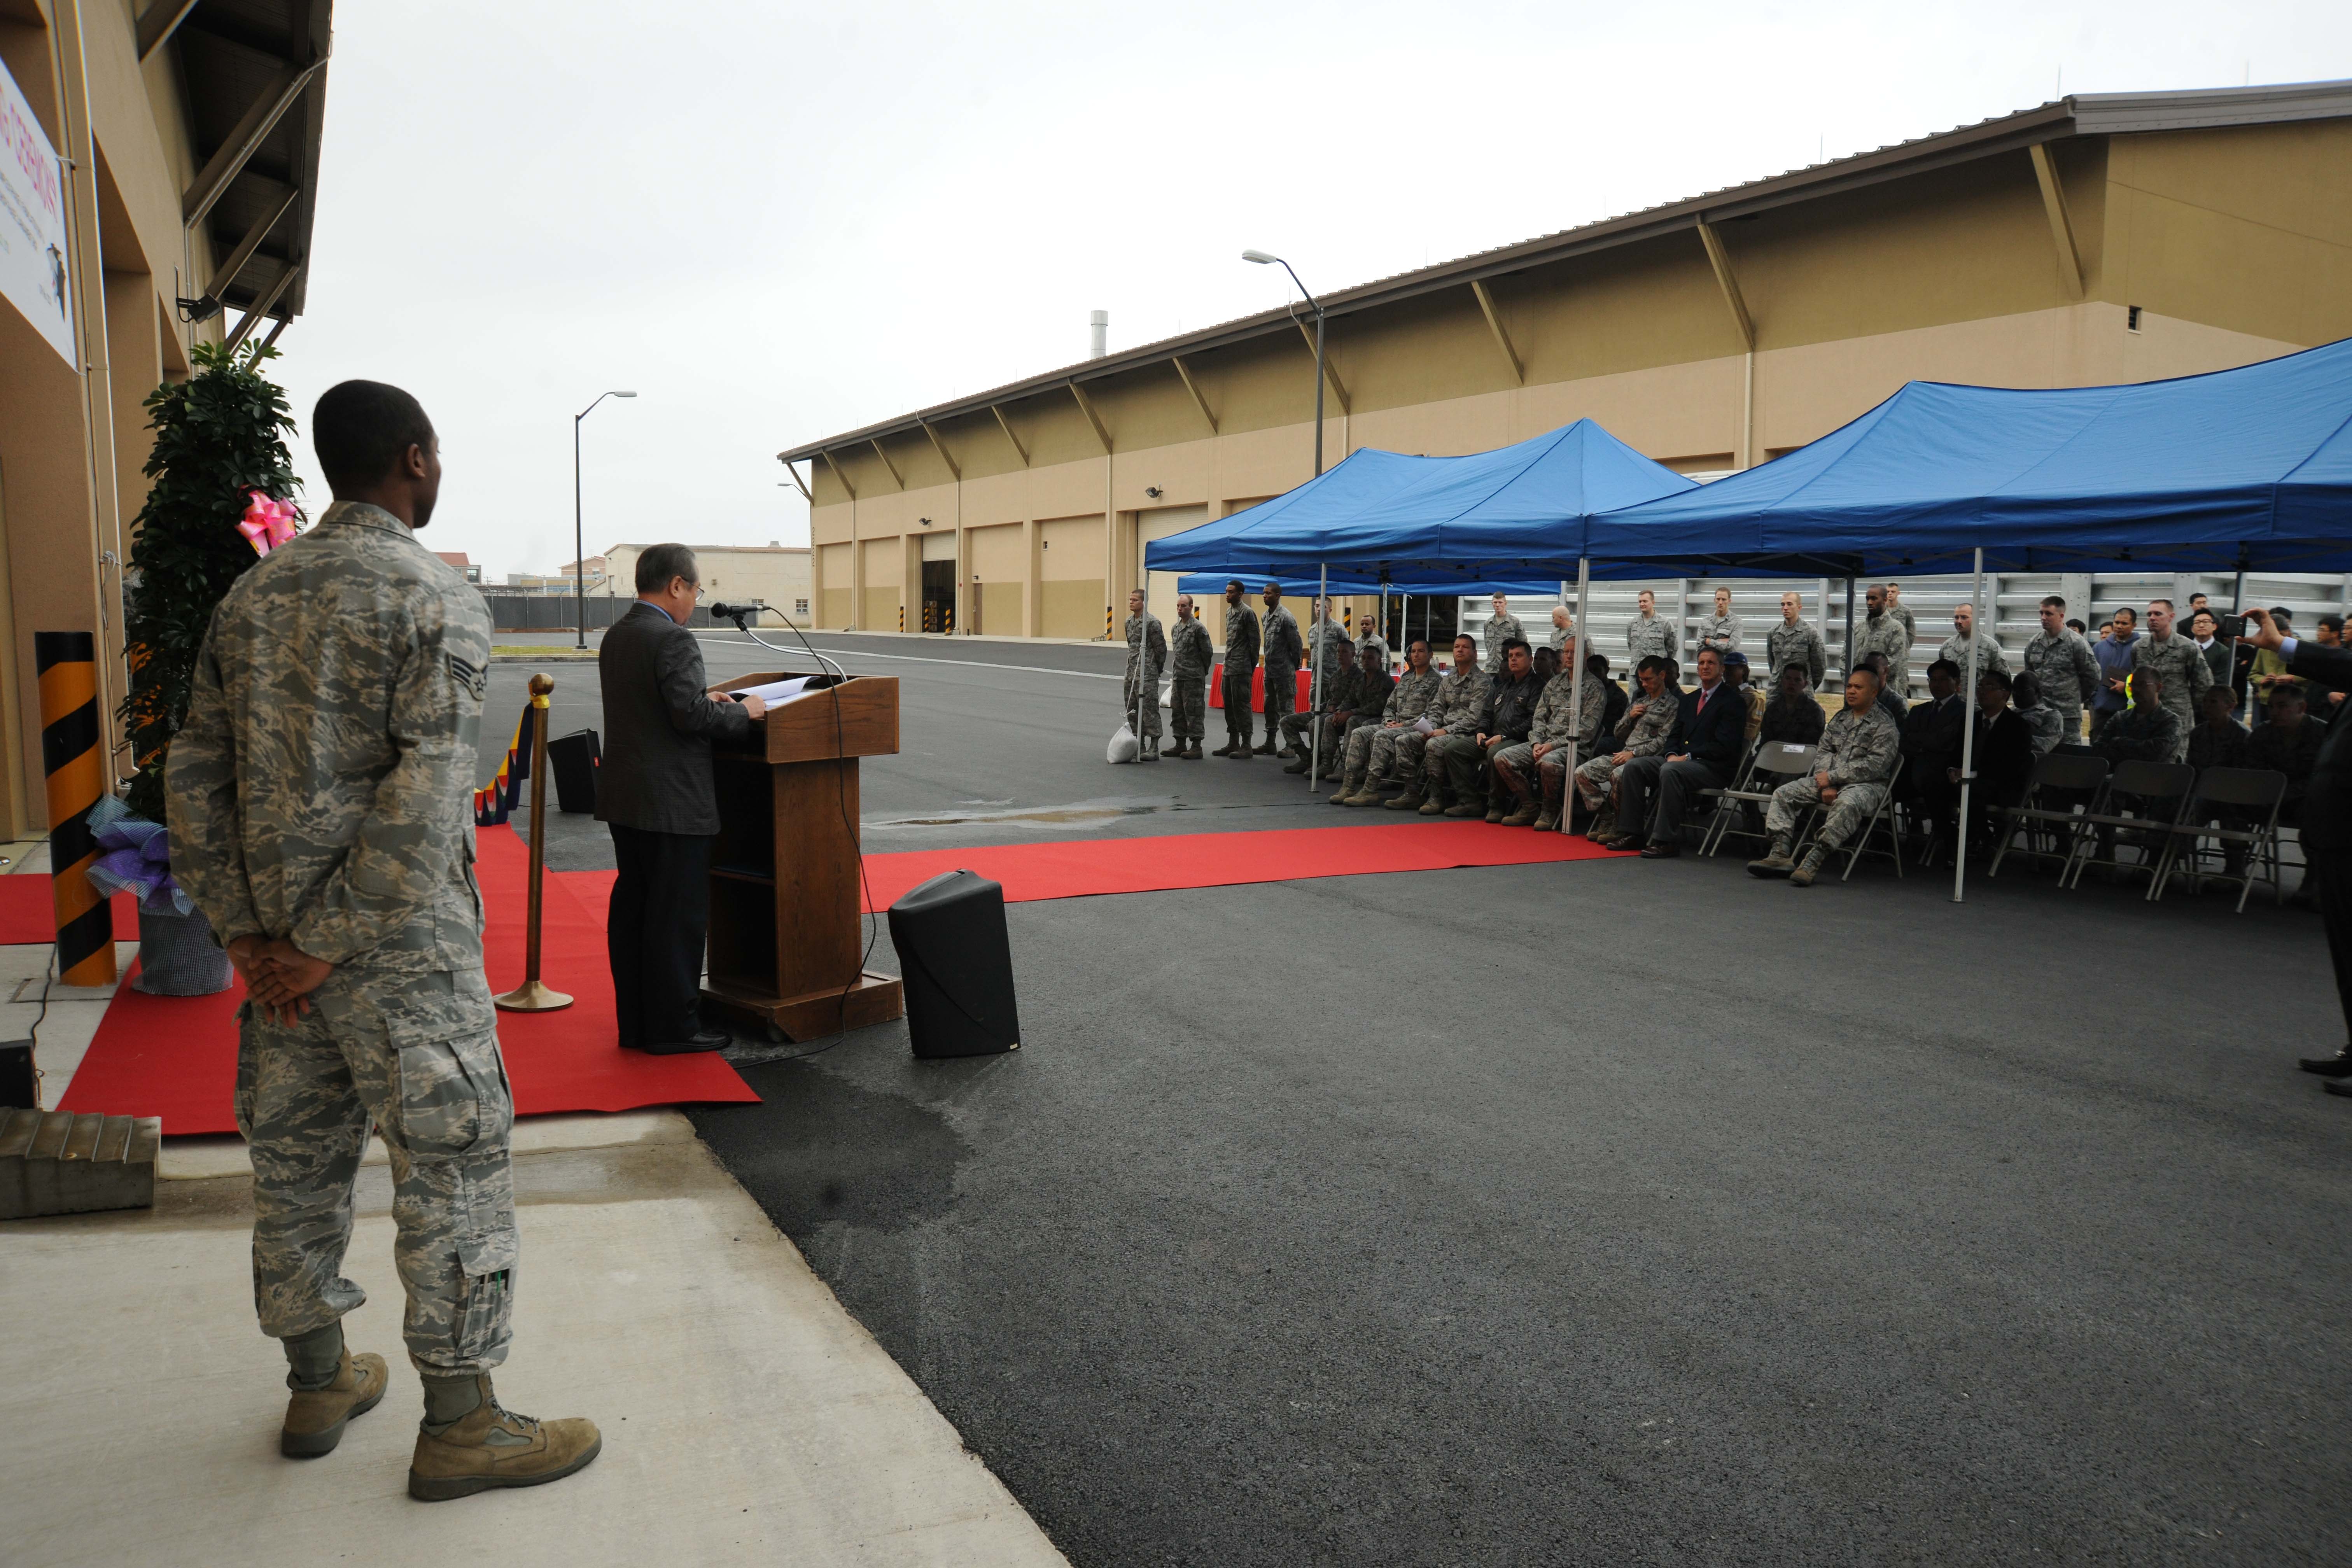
pixel 71 451
pixel 779 574
pixel 2235 244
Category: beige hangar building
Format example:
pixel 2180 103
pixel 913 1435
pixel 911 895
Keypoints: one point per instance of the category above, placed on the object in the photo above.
pixel 2099 238
pixel 163 162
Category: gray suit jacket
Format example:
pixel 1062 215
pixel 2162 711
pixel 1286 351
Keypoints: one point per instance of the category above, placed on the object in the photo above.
pixel 656 771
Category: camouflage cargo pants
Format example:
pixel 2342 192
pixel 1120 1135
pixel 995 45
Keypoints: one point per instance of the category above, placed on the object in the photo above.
pixel 1454 762
pixel 418 1056
pixel 1855 804
pixel 1518 770
pixel 1188 705
pixel 1281 698
pixel 1149 705
pixel 1394 755
pixel 1594 778
pixel 1237 707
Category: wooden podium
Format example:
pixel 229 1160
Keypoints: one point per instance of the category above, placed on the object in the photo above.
pixel 785 936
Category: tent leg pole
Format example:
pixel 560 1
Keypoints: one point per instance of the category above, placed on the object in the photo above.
pixel 1315 692
pixel 1845 654
pixel 1969 729
pixel 1575 698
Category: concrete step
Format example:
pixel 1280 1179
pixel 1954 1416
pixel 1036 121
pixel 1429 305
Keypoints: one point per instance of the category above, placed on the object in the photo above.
pixel 56 1162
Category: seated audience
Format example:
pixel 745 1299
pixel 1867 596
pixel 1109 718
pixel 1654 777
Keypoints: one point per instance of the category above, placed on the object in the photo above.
pixel 1895 704
pixel 1336 700
pixel 1704 748
pixel 1378 754
pixel 2289 744
pixel 1735 671
pixel 1613 694
pixel 1794 716
pixel 1460 703
pixel 1932 733
pixel 1538 764
pixel 2042 721
pixel 1641 732
pixel 1860 751
pixel 2146 731
pixel 2003 755
pixel 2219 740
pixel 1504 716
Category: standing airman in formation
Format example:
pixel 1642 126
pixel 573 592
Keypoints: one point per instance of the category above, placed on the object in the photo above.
pixel 1241 668
pixel 1191 654
pixel 1285 650
pixel 2063 665
pixel 2178 665
pixel 1146 655
pixel 1650 636
pixel 1956 646
pixel 1883 631
pixel 1794 641
pixel 1501 629
pixel 1720 631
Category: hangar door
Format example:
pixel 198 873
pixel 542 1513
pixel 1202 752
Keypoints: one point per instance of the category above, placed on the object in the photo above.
pixel 1158 523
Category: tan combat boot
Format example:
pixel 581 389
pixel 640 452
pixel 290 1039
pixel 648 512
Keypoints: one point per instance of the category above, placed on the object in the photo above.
pixel 1547 821
pixel 1410 800
pixel 315 1418
pixel 1523 814
pixel 1803 876
pixel 489 1446
pixel 1778 862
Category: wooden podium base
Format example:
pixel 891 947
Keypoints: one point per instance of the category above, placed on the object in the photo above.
pixel 873 999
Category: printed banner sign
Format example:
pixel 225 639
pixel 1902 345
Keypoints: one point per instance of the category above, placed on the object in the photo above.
pixel 33 222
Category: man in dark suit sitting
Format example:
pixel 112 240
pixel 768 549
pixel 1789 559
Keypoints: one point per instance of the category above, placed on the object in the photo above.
pixel 654 791
pixel 2327 827
pixel 1709 739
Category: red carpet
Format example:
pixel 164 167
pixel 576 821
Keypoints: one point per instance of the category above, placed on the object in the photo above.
pixel 27 914
pixel 177 1056
pixel 1080 868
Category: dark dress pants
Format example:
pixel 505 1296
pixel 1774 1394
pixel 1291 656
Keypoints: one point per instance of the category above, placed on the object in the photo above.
pixel 1679 784
pixel 1637 793
pixel 2332 868
pixel 654 932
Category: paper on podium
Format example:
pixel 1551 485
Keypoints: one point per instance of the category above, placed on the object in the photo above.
pixel 776 691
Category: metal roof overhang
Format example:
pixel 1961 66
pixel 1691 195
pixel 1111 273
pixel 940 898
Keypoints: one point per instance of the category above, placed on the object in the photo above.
pixel 2083 114
pixel 255 72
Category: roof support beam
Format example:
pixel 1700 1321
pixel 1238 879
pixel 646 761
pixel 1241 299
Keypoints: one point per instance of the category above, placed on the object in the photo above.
pixel 1721 260
pixel 1495 325
pixel 229 160
pixel 941 448
pixel 2061 231
pixel 1330 371
pixel 1199 402
pixel 248 245
pixel 271 340
pixel 262 306
pixel 895 478
pixel 1005 424
pixel 795 474
pixel 835 464
pixel 1086 407
pixel 159 22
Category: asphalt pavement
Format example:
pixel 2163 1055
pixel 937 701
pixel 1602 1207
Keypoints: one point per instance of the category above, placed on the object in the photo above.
pixel 1612 1211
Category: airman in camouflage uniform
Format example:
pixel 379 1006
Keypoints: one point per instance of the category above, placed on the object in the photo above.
pixel 1720 631
pixel 1649 634
pixel 1795 641
pixel 1859 750
pixel 1544 753
pixel 1241 667
pixel 1956 647
pixel 1373 758
pixel 1461 699
pixel 2062 664
pixel 1191 654
pixel 1901 612
pixel 2180 668
pixel 1334 650
pixel 1146 655
pixel 320 806
pixel 1501 629
pixel 1883 631
pixel 1285 650
pixel 1336 700
pixel 1648 725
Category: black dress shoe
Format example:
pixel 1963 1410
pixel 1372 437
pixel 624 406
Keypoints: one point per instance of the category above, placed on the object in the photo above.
pixel 2338 1065
pixel 1659 849
pixel 2339 1086
pixel 707 1040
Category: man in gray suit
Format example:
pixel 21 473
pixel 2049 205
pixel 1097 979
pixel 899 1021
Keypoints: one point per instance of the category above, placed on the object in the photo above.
pixel 654 791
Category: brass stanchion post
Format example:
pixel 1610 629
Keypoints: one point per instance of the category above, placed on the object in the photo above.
pixel 532 996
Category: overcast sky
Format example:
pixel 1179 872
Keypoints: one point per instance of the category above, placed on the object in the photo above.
pixel 775 221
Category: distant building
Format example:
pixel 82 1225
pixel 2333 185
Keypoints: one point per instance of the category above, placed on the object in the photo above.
pixel 457 558
pixel 777 574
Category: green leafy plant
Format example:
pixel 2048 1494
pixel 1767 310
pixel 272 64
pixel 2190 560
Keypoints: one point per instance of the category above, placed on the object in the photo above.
pixel 219 434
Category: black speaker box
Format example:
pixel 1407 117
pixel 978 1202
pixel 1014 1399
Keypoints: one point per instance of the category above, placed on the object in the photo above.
pixel 17 1079
pixel 956 964
pixel 572 759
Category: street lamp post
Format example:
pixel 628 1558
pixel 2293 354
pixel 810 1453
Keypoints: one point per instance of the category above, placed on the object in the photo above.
pixel 1262 260
pixel 579 555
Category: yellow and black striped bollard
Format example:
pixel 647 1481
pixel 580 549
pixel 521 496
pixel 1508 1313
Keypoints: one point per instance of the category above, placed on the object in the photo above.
pixel 71 736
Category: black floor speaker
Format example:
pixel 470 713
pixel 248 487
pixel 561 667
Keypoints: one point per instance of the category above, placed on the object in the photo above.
pixel 572 760
pixel 956 964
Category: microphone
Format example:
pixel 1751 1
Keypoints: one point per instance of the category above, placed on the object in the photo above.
pixel 724 611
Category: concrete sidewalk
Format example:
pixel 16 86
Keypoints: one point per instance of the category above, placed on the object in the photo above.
pixel 745 1415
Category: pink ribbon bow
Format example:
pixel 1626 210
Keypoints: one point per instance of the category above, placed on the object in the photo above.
pixel 267 523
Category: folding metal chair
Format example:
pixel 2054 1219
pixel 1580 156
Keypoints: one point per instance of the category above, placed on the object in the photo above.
pixel 2247 791
pixel 2057 772
pixel 1881 821
pixel 1771 766
pixel 2151 787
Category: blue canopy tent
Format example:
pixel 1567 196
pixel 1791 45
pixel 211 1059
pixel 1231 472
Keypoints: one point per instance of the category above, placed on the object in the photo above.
pixel 2234 471
pixel 1509 517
